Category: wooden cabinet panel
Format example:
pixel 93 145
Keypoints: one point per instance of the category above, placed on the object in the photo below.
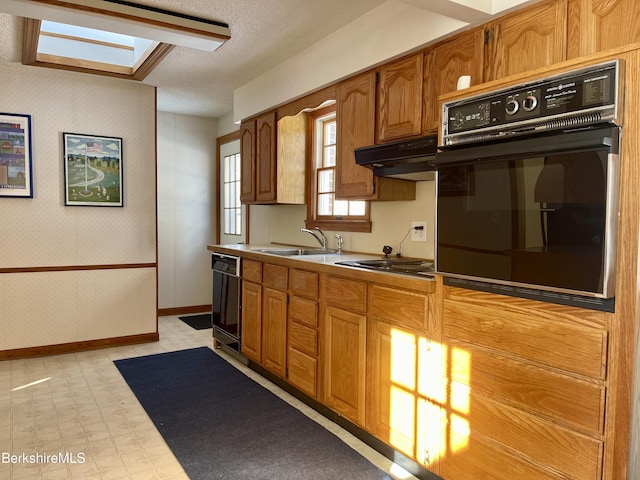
pixel 569 401
pixel 251 339
pixel 573 454
pixel 473 459
pixel 348 294
pixel 248 161
pixel 400 98
pixel 598 25
pixel 266 134
pixel 533 335
pixel 303 283
pixel 303 371
pixel 344 363
pixel 445 63
pixel 251 270
pixel 527 39
pixel 291 159
pixel 355 113
pixel 400 307
pixel 275 276
pixel 274 330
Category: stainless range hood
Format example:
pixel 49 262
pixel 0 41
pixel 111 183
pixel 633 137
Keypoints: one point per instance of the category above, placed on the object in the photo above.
pixel 406 159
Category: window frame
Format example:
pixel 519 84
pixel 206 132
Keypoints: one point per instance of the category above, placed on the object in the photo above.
pixel 334 222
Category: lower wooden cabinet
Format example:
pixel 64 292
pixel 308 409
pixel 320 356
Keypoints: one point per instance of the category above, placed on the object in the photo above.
pixel 274 330
pixel 251 320
pixel 403 408
pixel 345 344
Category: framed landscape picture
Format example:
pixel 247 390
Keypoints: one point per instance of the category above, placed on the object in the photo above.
pixel 92 170
pixel 16 178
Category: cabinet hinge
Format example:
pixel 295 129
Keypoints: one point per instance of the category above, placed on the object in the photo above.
pixel 373 188
pixel 487 36
pixel 377 77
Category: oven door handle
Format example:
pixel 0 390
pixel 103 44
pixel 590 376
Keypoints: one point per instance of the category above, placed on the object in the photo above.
pixel 602 138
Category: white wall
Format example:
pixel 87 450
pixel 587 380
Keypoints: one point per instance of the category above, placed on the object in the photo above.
pixel 186 208
pixel 103 280
pixel 390 222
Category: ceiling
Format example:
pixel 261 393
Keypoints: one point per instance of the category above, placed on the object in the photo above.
pixel 264 33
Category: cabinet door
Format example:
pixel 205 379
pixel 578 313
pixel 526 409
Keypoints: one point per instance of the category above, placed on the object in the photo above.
pixel 403 390
pixel 344 363
pixel 528 39
pixel 597 25
pixel 274 330
pixel 355 113
pixel 251 320
pixel 248 161
pixel 400 99
pixel 266 173
pixel 445 63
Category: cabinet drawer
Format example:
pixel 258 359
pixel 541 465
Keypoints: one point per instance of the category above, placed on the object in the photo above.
pixel 303 311
pixel 252 270
pixel 303 283
pixel 574 454
pixel 303 338
pixel 275 276
pixel 534 334
pixel 303 372
pixel 400 307
pixel 348 294
pixel 566 400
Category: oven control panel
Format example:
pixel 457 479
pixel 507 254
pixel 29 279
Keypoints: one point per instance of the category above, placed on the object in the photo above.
pixel 572 99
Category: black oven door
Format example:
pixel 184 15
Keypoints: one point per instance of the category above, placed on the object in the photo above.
pixel 537 212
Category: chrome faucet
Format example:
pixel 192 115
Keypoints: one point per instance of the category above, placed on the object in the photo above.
pixel 322 239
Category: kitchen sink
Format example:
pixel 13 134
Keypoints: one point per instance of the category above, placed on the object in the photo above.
pixel 289 252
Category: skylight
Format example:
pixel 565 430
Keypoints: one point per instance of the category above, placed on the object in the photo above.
pixel 59 41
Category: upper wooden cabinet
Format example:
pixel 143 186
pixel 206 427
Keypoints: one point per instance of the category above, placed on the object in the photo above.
pixel 273 158
pixel 266 137
pixel 258 159
pixel 248 161
pixel 444 64
pixel 400 98
pixel 597 25
pixel 527 39
pixel 355 114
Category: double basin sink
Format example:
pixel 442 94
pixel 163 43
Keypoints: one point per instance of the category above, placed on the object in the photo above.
pixel 292 251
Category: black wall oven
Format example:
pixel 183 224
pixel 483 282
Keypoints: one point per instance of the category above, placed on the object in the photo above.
pixel 527 189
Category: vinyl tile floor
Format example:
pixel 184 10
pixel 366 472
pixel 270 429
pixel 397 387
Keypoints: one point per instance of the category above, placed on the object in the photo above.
pixel 73 416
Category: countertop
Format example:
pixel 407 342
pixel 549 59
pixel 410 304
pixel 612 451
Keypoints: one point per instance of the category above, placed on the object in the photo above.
pixel 327 264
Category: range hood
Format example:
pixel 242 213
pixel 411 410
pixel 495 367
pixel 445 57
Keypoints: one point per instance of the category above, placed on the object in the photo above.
pixel 406 159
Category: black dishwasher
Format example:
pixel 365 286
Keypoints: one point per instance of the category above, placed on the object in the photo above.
pixel 225 313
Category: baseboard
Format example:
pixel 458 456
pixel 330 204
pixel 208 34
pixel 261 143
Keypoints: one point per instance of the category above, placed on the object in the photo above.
pixel 78 346
pixel 163 312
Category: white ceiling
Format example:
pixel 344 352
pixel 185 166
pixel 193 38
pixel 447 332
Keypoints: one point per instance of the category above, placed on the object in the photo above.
pixel 264 33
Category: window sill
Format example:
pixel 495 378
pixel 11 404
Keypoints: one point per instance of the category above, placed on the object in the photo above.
pixel 340 225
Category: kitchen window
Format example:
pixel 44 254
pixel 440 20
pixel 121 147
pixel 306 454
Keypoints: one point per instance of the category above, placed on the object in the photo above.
pixel 324 210
pixel 232 209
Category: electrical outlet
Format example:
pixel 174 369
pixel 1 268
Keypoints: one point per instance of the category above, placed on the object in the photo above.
pixel 419 235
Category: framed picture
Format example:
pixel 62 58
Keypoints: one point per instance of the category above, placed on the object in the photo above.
pixel 16 179
pixel 92 170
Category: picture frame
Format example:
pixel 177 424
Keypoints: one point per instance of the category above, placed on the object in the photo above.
pixel 92 170
pixel 16 172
